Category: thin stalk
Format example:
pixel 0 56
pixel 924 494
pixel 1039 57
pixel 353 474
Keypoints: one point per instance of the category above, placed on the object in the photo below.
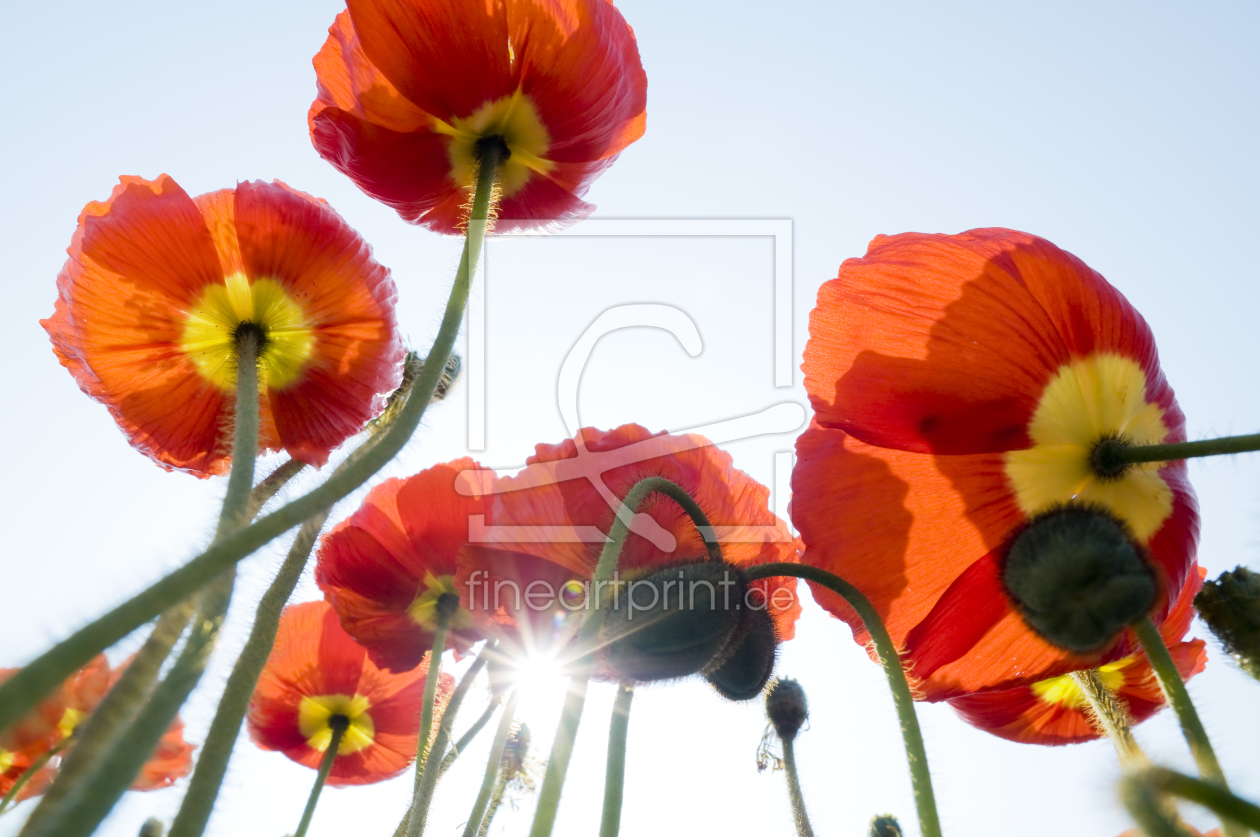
pixel 916 754
pixel 496 799
pixel 212 762
pixel 1178 698
pixel 799 817
pixel 325 767
pixel 575 697
pixel 467 737
pixel 89 801
pixel 493 766
pixel 447 604
pixel 1114 454
pixel 1160 780
pixel 29 774
pixel 1110 717
pixel 21 692
pixel 271 484
pixel 615 773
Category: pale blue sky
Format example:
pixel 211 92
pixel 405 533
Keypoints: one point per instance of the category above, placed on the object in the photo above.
pixel 1123 132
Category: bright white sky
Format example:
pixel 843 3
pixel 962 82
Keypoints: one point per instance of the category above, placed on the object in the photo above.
pixel 1122 132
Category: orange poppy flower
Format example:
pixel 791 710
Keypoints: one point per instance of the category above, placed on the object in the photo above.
pixel 407 90
pixel 961 384
pixel 52 724
pixel 157 285
pixel 1055 711
pixel 316 672
pixel 384 568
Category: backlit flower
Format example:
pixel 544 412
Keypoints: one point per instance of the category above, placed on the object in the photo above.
pixel 158 285
pixel 317 676
pixel 384 568
pixel 1054 711
pixel 961 384
pixel 407 89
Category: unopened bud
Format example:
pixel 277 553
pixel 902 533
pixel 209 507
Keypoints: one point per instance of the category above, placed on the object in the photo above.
pixel 516 749
pixel 786 707
pixel 153 827
pixel 1078 578
pixel 672 622
pixel 885 825
pixel 750 662
pixel 1230 606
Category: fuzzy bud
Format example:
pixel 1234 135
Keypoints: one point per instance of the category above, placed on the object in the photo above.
pixel 153 827
pixel 1230 606
pixel 749 660
pixel 885 825
pixel 1078 578
pixel 786 707
pixel 672 622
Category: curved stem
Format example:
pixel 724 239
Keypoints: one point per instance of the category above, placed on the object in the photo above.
pixel 1115 454
pixel 1110 717
pixel 496 799
pixel 575 697
pixel 21 692
pixel 30 772
pixel 467 737
pixel 799 817
pixel 493 766
pixel 890 659
pixel 212 762
pixel 615 773
pixel 325 767
pixel 270 485
pixel 1160 780
pixel 1174 689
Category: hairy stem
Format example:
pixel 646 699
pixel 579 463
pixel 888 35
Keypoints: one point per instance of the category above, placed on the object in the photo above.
pixel 799 816
pixel 1110 717
pixel 615 772
pixel 493 766
pixel 325 767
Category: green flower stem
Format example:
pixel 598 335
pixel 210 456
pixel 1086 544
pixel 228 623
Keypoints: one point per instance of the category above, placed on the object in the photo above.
pixel 270 485
pixel 30 772
pixel 799 816
pixel 447 605
pixel 212 761
pixel 325 767
pixel 615 773
pixel 1174 689
pixel 20 693
pixel 496 799
pixel 467 737
pixel 1116 454
pixel 94 735
pixel 1142 788
pixel 1110 717
pixel 916 754
pixel 90 800
pixel 493 766
pixel 575 697
pixel 430 774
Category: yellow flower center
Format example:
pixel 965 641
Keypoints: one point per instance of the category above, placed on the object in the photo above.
pixel 1088 400
pixel 315 712
pixel 423 610
pixel 69 720
pixel 209 337
pixel 6 761
pixel 516 120
pixel 1063 691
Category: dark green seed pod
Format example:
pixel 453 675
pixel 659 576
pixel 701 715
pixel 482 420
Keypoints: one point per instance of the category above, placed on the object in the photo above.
pixel 672 622
pixel 885 825
pixel 746 670
pixel 786 707
pixel 1230 606
pixel 1078 578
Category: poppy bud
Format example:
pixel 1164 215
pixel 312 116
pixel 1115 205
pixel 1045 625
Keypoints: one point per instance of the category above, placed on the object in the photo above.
pixel 1230 606
pixel 786 707
pixel 516 749
pixel 672 622
pixel 885 825
pixel 1078 578
pixel 153 827
pixel 744 673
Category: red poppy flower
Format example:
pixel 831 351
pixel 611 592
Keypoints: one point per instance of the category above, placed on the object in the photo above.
pixel 315 672
pixel 384 568
pixel 52 724
pixel 407 89
pixel 961 384
pixel 1054 711
pixel 157 285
